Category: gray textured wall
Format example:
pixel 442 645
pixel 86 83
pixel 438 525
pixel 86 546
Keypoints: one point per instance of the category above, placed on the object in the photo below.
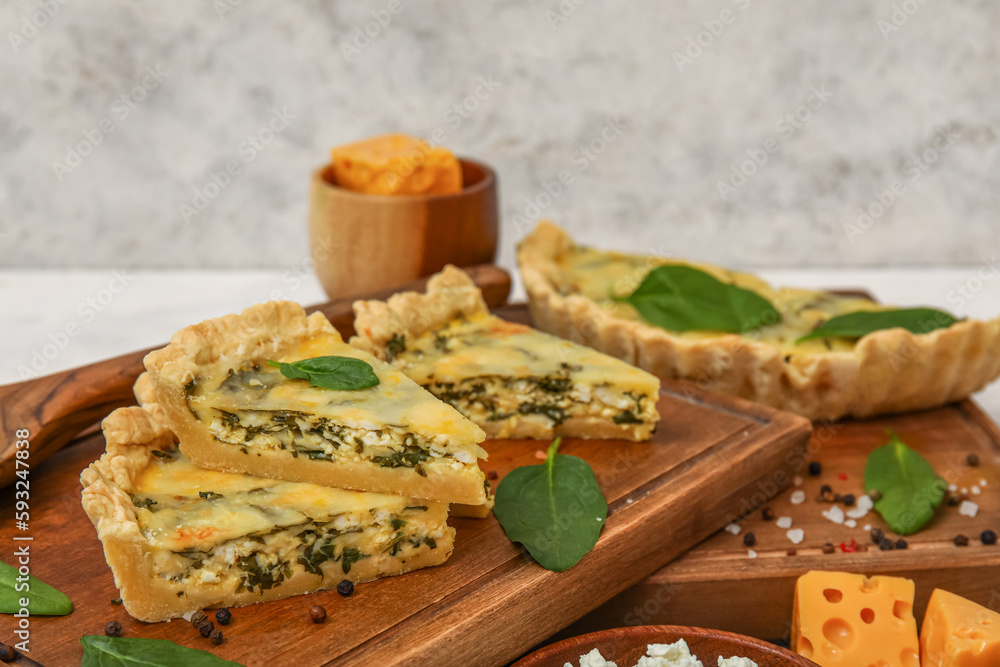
pixel 903 97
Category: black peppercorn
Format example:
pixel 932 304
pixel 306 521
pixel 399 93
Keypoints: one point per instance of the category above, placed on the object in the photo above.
pixel 749 539
pixel 961 541
pixel 825 489
pixel 318 614
pixel 117 602
pixel 886 544
pixel 972 460
pixel 492 474
pixel 815 468
pixel 902 544
pixel 113 629
pixel 216 636
pixel 223 616
pixel 197 618
pixel 767 514
pixel 988 537
pixel 205 628
pixel 877 535
pixel 829 548
pixel 345 587
pixel 875 495
pixel 848 499
pixel 7 653
pixel 953 501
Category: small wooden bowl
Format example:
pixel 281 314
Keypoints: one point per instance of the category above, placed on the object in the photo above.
pixel 362 243
pixel 625 646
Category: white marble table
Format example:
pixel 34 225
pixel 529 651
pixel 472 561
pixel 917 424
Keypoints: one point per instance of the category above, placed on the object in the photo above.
pixel 54 320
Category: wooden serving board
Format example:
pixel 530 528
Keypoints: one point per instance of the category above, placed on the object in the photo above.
pixel 490 603
pixel 716 585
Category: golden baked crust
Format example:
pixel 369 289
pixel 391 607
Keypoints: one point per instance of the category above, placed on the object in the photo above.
pixel 512 380
pixel 887 371
pixel 133 435
pixel 216 428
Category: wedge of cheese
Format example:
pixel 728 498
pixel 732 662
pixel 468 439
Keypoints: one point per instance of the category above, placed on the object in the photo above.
pixel 850 620
pixel 181 538
pixel 959 633
pixel 235 412
pixel 513 381
pixel 396 164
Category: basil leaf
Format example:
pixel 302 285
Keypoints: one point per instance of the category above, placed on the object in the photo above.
pixel 556 509
pixel 339 373
pixel 863 322
pixel 43 600
pixel 137 652
pixel 910 488
pixel 683 298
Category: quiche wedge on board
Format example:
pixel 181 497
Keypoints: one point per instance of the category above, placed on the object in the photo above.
pixel 512 380
pixel 578 293
pixel 181 538
pixel 234 411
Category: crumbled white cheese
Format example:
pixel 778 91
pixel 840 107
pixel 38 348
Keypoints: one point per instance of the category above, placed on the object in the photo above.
pixel 862 506
pixel 209 578
pixel 593 659
pixel 834 514
pixel 850 523
pixel 668 655
pixel 953 487
pixel 796 535
pixel 751 553
pixel 734 528
pixel 798 497
pixel 982 482
pixel 784 522
pixel 976 490
pixel 965 491
pixel 464 456
pixel 868 526
pixel 968 508
pixel 736 662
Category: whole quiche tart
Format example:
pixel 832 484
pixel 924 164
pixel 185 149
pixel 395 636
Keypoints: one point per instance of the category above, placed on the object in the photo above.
pixel 818 354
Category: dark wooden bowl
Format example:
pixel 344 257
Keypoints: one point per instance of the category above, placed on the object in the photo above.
pixel 362 243
pixel 625 646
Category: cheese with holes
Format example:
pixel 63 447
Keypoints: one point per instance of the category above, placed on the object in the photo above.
pixel 959 633
pixel 396 164
pixel 850 620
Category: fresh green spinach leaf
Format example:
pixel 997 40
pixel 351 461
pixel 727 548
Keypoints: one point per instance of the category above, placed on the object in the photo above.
pixel 43 600
pixel 339 373
pixel 556 509
pixel 682 298
pixel 138 652
pixel 863 322
pixel 909 487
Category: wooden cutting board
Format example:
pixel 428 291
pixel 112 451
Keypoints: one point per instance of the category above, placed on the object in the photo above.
pixel 716 585
pixel 490 603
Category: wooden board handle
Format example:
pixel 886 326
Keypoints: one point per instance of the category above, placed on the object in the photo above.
pixel 55 408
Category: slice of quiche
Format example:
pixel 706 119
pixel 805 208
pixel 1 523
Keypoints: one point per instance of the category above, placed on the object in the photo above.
pixel 819 354
pixel 234 410
pixel 514 381
pixel 180 538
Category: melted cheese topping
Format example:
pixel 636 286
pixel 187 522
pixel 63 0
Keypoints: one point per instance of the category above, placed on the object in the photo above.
pixel 395 402
pixel 179 518
pixel 487 346
pixel 600 275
